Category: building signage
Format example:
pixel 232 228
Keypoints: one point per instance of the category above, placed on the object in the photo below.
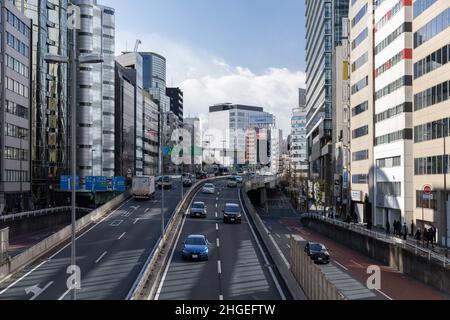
pixel 357 196
pixel 261 120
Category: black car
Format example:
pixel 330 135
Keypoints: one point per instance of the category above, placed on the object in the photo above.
pixel 232 213
pixel 317 252
pixel 201 176
pixel 187 182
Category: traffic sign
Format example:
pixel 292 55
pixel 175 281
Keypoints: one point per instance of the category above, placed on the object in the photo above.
pixel 66 183
pixel 428 189
pixel 118 184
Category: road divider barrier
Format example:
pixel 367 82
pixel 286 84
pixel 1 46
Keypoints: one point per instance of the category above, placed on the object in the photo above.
pixel 280 261
pixel 313 281
pixel 27 257
pixel 145 286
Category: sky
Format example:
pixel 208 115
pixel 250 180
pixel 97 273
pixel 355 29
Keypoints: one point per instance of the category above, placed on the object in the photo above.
pixel 239 51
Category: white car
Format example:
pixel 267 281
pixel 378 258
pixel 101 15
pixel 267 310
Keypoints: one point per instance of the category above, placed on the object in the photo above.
pixel 209 188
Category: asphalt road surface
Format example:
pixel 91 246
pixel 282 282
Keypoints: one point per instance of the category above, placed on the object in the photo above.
pixel 110 255
pixel 348 269
pixel 237 268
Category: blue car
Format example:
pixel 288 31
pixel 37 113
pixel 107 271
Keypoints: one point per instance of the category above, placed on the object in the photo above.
pixel 196 247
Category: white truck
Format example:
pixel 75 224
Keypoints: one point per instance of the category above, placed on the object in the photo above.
pixel 143 187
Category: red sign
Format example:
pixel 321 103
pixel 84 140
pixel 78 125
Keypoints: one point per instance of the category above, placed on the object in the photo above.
pixel 427 190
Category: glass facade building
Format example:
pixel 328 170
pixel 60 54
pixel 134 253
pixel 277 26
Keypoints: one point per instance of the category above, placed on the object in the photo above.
pixel 49 111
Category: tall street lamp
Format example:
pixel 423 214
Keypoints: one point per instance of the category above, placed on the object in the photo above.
pixel 73 61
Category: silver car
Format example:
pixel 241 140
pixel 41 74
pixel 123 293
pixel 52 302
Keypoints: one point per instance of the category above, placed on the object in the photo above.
pixel 199 210
pixel 209 188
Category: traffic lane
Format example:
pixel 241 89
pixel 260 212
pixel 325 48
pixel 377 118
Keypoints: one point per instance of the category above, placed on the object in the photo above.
pixel 90 247
pixel 245 274
pixel 191 280
pixel 394 285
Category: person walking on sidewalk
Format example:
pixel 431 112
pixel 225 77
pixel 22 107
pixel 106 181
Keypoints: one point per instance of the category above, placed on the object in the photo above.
pixel 405 232
pixel 388 228
pixel 418 236
pixel 412 228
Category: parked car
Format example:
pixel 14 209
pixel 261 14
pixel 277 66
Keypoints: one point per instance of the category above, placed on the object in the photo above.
pixel 232 213
pixel 317 252
pixel 198 209
pixel 209 188
pixel 195 247
pixel 232 183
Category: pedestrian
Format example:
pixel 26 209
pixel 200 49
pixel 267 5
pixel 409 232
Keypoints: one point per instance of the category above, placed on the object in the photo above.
pixel 426 236
pixel 433 232
pixel 405 232
pixel 395 227
pixel 388 228
pixel 418 236
pixel 412 228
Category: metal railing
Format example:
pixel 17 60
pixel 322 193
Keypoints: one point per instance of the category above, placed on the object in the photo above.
pixel 408 244
pixel 43 212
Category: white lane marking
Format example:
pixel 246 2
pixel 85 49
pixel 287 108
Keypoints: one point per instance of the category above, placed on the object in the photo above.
pixel 217 226
pixel 64 295
pixel 101 257
pixel 358 264
pixel 340 265
pixel 218 242
pixel 269 227
pixel 147 210
pixel 37 291
pixel 217 215
pixel 385 295
pixel 136 220
pixel 217 205
pixel 266 261
pixel 279 237
pixel 116 223
pixel 122 235
pixel 221 297
pixel 219 267
pixel 62 249
pixel 217 199
pixel 158 292
pixel 289 246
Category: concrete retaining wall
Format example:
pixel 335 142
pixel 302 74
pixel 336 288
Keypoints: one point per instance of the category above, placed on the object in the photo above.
pixel 22 260
pixel 403 260
pixel 312 279
pixel 281 264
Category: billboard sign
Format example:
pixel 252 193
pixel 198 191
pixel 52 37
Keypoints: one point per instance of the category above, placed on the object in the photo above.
pixel 261 120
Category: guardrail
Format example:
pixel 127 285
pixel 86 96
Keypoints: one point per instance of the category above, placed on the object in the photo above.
pixel 410 245
pixel 18 216
pixel 172 228
pixel 30 255
pixel 283 266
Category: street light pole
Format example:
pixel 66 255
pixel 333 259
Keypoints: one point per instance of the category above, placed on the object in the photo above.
pixel 161 169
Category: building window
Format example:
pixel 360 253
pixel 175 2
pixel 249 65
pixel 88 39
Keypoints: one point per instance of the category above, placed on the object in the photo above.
pixel 360 62
pixel 432 28
pixel 393 112
pixel 361 13
pixel 360 179
pixel 360 155
pixel 360 38
pixel 406 134
pixel 421 5
pixel 405 27
pixel 393 162
pixel 360 108
pixel 431 165
pixel 432 62
pixel 360 132
pixel 361 84
pixel 394 86
pixel 426 203
pixel 389 189
pixel 432 96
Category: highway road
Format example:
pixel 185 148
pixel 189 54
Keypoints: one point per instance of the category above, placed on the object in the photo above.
pixel 111 255
pixel 237 268
pixel 348 269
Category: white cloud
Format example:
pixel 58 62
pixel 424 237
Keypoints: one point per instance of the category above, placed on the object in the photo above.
pixel 207 79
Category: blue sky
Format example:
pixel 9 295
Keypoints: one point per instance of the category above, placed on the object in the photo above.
pixel 240 51
pixel 253 33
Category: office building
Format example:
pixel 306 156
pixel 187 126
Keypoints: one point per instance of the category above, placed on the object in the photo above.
pixel 151 136
pixel 96 112
pixel 193 125
pixel 362 127
pixel 431 86
pixel 50 152
pixel 175 96
pixel 15 114
pixel 229 125
pixel 132 62
pixel 323 33
pixel 298 142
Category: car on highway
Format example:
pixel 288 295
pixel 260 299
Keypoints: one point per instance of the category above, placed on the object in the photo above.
pixel 317 252
pixel 187 182
pixel 201 176
pixel 232 183
pixel 165 182
pixel 209 188
pixel 198 209
pixel 239 179
pixel 232 213
pixel 195 247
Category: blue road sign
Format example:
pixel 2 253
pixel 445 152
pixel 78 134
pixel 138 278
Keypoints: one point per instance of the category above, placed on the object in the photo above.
pixel 89 184
pixel 118 184
pixel 66 183
pixel 101 183
pixel 167 151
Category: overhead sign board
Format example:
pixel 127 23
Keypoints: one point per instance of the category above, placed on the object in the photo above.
pixel 66 183
pixel 118 184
